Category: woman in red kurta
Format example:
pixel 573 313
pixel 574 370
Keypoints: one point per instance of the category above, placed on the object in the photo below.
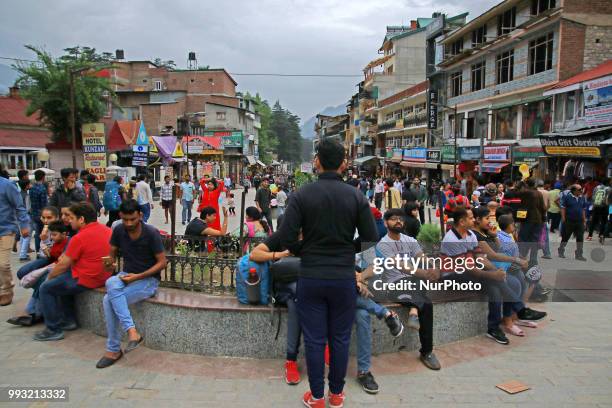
pixel 211 191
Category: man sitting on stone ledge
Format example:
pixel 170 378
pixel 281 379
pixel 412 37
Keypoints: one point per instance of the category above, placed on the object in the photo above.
pixel 143 255
pixel 77 270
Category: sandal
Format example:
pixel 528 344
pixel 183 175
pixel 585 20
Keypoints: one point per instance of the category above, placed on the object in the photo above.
pixel 514 330
pixel 526 323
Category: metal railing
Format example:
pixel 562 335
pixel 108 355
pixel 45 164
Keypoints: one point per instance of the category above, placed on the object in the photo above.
pixel 204 264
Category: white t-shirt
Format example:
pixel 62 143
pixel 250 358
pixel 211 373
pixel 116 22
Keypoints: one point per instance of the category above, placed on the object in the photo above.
pixel 454 245
pixel 389 248
pixel 144 193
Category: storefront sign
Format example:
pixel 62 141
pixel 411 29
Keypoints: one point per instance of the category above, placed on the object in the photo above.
pixel 434 155
pixel 306 167
pixel 230 138
pixel 389 153
pixel 581 146
pixel 432 109
pixel 418 154
pixel 598 101
pixel 448 154
pixel 94 149
pixel 527 155
pixel 140 155
pixel 496 153
pixel 397 155
pixel 469 153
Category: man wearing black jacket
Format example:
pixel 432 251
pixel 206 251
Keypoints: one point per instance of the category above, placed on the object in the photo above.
pixel 327 211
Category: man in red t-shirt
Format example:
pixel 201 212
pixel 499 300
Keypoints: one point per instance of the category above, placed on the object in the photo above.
pixel 79 269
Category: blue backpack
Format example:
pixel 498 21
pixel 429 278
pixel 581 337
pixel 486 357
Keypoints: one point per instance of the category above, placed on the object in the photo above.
pixel 111 199
pixel 242 274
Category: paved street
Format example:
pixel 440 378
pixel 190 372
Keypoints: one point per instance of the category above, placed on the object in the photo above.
pixel 566 362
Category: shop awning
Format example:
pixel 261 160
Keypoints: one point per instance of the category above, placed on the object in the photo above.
pixel 260 163
pixel 520 102
pixel 491 167
pixel 607 142
pixel 361 160
pixel 251 160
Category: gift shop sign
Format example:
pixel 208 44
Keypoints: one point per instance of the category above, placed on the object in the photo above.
pixel 94 149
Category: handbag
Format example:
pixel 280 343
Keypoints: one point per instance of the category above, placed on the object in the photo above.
pixel 285 270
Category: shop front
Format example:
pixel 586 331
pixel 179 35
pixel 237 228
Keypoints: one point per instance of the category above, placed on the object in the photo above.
pixel 531 156
pixel 496 164
pixel 392 163
pixel 447 156
pixel 576 155
pixel 414 162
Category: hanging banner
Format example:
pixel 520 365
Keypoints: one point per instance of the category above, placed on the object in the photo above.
pixel 142 138
pixel 152 147
pixel 94 149
pixel 432 109
pixel 177 153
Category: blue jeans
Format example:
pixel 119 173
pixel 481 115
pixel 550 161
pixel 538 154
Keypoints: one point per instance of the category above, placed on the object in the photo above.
pixel 25 244
pixel 32 266
pixel 186 210
pixel 56 298
pixel 504 299
pixel 365 307
pixel 38 227
pixel 116 312
pixel 145 209
pixel 327 310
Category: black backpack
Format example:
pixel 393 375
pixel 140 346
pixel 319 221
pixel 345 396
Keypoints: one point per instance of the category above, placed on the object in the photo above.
pixel 282 272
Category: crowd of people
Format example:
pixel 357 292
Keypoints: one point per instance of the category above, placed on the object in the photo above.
pixel 336 228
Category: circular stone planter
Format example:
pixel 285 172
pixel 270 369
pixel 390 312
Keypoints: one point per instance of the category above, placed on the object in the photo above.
pixel 188 322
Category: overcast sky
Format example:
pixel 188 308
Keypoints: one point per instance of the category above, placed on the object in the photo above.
pixel 261 36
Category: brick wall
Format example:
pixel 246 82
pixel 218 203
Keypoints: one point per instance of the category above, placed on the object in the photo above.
pixel 587 6
pixel 521 69
pixel 571 49
pixel 151 115
pixel 597 46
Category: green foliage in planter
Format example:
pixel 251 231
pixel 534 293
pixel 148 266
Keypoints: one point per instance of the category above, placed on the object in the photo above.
pixel 429 235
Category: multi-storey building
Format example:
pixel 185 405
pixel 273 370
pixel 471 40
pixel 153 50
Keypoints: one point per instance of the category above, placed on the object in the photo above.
pixel 499 65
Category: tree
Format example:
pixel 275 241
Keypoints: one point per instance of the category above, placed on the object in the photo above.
pixel 267 143
pixel 169 64
pixel 46 84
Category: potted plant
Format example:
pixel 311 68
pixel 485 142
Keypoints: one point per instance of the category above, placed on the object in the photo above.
pixel 429 238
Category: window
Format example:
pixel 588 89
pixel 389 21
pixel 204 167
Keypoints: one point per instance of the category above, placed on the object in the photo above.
pixel 540 54
pixel 390 69
pixel 505 67
pixel 420 107
pixel 536 118
pixel 389 117
pixel 540 6
pixel 478 76
pixel 397 114
pixel 479 36
pixel 220 115
pixel 506 22
pixel 456 47
pixel 570 106
pixel 456 80
pixel 506 123
pixel 158 85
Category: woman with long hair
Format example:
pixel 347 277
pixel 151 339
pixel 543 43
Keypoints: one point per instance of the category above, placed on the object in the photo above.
pixel 211 192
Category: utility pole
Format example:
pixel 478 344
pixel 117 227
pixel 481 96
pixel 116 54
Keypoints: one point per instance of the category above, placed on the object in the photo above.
pixel 72 117
pixel 455 153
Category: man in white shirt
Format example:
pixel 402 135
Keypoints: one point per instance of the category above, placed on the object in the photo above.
pixel 145 197
pixel 397 184
pixel 379 190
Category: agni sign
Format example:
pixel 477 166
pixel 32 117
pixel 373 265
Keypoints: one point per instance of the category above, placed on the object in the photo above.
pixel 94 149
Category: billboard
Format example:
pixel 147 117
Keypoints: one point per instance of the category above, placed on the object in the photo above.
pixel 598 101
pixel 94 149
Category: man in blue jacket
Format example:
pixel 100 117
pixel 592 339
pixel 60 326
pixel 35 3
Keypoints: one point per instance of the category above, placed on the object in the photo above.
pixel 12 212
pixel 328 212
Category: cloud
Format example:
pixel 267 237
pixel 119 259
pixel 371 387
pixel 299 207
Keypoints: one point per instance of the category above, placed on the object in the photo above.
pixel 264 36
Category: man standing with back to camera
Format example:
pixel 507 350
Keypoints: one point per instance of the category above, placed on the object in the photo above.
pixel 327 211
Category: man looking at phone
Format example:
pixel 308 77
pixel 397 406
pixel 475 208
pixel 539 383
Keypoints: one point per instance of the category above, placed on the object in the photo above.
pixel 143 255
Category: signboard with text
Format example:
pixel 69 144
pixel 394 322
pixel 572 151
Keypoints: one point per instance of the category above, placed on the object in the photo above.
pixel 434 155
pixel 598 101
pixel 469 153
pixel 448 154
pixel 140 155
pixel 94 149
pixel 497 153
pixel 418 154
pixel 579 146
pixel 306 167
pixel 432 109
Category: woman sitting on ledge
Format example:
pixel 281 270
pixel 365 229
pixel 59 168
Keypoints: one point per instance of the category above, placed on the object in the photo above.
pixel 200 226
